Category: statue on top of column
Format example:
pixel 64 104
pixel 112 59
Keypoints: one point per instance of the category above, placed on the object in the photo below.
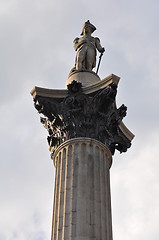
pixel 86 47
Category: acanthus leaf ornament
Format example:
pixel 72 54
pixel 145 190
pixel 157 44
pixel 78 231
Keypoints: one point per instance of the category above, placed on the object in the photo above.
pixel 84 115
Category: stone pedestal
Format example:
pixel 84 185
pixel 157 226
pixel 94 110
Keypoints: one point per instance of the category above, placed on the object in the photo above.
pixel 82 208
pixel 86 78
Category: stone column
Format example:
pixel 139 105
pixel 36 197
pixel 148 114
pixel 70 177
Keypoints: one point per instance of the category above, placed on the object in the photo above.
pixel 85 129
pixel 82 207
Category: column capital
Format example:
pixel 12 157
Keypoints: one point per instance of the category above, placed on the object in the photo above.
pixel 84 112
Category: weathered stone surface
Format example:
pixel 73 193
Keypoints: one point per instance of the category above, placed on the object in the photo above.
pixel 82 191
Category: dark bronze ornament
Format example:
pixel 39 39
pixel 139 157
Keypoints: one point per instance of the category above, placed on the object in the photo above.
pixel 84 115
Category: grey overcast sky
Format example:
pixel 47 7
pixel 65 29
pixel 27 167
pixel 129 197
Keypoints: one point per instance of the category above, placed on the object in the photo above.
pixel 36 48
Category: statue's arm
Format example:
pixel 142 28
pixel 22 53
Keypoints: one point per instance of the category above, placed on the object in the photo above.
pixel 75 43
pixel 78 42
pixel 98 45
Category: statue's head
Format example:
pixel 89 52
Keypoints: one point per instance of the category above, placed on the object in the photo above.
pixel 88 26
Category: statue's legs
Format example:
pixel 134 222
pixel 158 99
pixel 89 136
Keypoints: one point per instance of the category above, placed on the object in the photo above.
pixel 86 58
pixel 90 59
pixel 80 58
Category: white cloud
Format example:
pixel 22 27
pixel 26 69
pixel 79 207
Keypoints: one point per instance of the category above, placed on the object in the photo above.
pixel 135 192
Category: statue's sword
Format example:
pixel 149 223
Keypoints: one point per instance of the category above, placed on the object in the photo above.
pixel 100 57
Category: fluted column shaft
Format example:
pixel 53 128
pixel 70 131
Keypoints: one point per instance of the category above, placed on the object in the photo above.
pixel 82 205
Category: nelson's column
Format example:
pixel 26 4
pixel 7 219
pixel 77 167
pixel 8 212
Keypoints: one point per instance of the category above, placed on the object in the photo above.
pixel 85 128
